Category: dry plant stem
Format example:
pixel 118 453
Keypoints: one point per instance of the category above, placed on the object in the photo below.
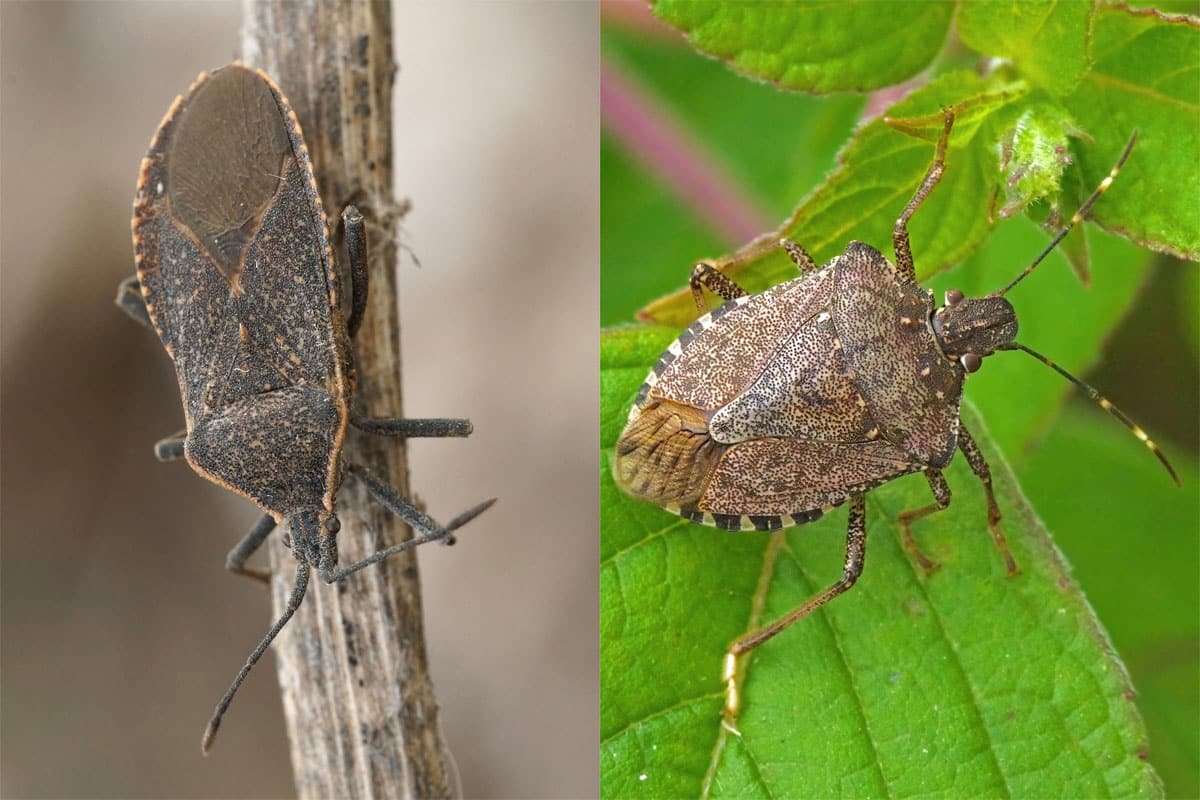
pixel 360 709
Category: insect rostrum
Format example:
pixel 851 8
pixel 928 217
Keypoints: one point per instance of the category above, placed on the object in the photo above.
pixel 773 409
pixel 235 273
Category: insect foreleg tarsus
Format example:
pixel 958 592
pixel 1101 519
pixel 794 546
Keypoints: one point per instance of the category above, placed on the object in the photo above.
pixel 979 466
pixel 129 299
pixel 412 428
pixel 706 276
pixel 856 550
pixel 355 231
pixel 235 560
pixel 941 496
pixel 904 259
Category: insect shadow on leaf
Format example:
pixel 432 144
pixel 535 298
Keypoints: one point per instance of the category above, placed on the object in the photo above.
pixel 235 273
pixel 772 409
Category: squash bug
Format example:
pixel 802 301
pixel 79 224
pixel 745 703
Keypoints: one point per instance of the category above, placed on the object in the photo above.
pixel 773 409
pixel 235 273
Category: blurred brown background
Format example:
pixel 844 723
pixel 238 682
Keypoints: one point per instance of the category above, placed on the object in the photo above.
pixel 120 626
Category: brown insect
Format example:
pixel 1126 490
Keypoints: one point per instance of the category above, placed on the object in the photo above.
pixel 235 273
pixel 775 408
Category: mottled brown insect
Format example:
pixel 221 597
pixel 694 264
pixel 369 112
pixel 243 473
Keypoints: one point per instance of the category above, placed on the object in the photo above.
pixel 235 273
pixel 774 408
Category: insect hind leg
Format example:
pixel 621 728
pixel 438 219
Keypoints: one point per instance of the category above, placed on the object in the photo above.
pixel 941 496
pixel 856 550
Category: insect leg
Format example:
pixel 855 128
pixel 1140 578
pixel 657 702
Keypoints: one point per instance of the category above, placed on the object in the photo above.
pixel 979 466
pixel 706 276
pixel 799 256
pixel 411 428
pixel 904 259
pixel 170 448
pixel 356 248
pixel 129 299
pixel 856 550
pixel 235 560
pixel 426 529
pixel 941 493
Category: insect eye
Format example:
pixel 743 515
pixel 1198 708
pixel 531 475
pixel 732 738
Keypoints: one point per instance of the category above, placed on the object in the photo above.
pixel 953 297
pixel 970 362
pixel 333 525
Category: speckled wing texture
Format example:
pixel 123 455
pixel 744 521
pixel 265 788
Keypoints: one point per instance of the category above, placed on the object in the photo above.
pixel 231 248
pixel 237 273
pixel 778 477
pixel 910 388
pixel 724 352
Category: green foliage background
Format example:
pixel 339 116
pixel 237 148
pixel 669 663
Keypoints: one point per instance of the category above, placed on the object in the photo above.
pixel 859 701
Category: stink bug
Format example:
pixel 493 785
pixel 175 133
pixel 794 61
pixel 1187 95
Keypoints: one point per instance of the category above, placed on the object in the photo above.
pixel 235 273
pixel 774 408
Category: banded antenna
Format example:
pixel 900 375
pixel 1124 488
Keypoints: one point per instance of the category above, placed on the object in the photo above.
pixel 1100 399
pixel 1078 216
pixel 1104 403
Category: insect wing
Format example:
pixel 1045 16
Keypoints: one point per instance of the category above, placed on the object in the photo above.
pixel 231 245
pixel 789 477
pixel 725 351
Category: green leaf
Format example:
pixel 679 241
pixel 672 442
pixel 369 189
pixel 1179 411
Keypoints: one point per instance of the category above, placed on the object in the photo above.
pixel 964 683
pixel 1090 481
pixel 1047 42
pixel 1146 77
pixel 850 45
pixel 1034 153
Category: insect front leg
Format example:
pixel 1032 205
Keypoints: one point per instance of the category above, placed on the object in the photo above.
pixel 706 276
pixel 856 550
pixel 129 299
pixel 412 428
pixel 900 243
pixel 941 494
pixel 355 230
pixel 799 256
pixel 235 560
pixel 979 466
pixel 423 525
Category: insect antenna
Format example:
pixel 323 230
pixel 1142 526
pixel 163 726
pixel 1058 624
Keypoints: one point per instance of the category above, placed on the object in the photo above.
pixel 1104 403
pixel 1079 215
pixel 293 603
